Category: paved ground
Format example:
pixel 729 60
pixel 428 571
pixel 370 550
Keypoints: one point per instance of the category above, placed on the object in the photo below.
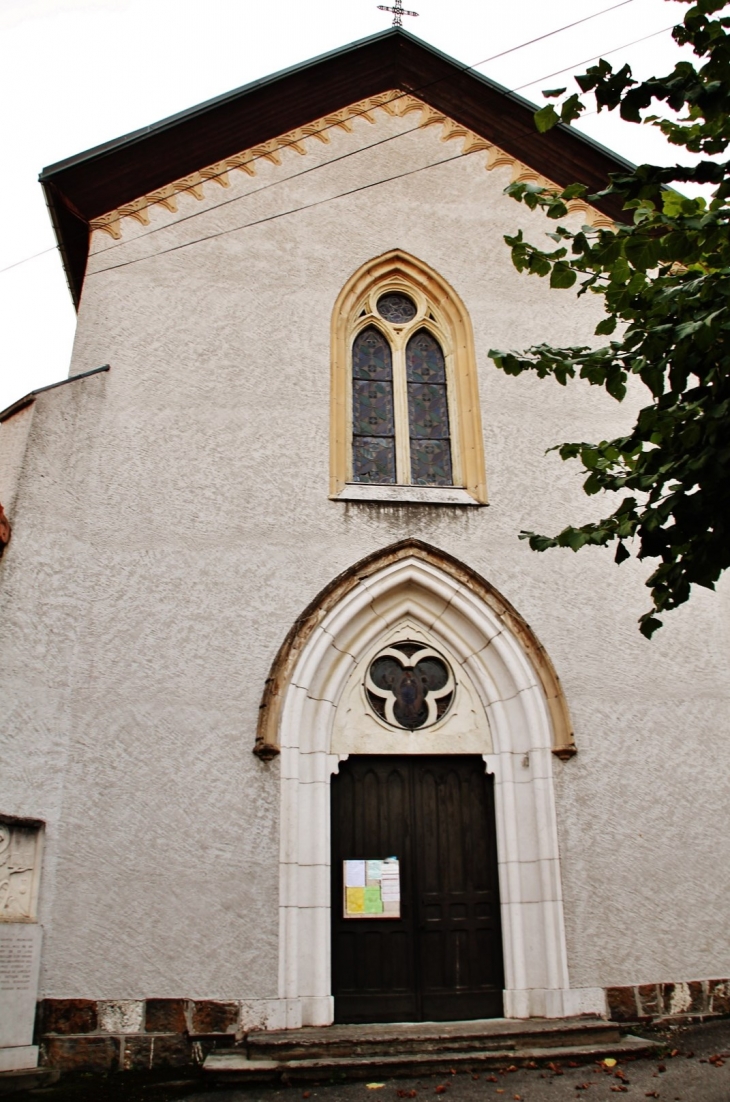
pixel 696 1072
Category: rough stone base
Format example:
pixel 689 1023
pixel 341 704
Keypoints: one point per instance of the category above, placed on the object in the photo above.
pixel 655 1001
pixel 135 1035
pixel 141 1035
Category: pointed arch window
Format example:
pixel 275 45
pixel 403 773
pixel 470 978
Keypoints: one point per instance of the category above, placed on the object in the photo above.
pixel 406 423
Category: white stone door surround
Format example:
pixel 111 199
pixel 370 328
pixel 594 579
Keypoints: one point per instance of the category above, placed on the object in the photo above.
pixel 481 636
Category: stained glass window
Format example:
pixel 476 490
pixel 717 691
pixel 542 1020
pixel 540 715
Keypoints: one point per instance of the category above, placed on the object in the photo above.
pixel 396 308
pixel 428 412
pixel 373 423
pixel 409 686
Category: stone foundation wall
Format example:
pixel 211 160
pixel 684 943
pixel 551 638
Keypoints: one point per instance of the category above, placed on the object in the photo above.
pixel 130 1035
pixel 653 1001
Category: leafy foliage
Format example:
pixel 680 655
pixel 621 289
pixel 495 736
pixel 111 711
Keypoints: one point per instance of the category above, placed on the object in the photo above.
pixel 664 274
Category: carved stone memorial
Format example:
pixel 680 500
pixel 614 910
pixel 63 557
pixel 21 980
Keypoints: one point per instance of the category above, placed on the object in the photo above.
pixel 20 944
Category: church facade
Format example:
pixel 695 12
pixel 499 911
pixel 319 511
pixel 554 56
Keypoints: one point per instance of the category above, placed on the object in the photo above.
pixel 297 730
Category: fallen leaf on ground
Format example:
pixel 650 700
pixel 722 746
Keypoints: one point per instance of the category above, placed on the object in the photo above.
pixel 582 1086
pixel 491 1079
pixel 441 1088
pixel 406 1094
pixel 307 1094
pixel 620 1089
pixel 609 1062
pixel 652 1094
pixel 375 1086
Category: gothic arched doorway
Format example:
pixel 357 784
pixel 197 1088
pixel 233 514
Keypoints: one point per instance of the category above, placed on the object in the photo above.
pixel 511 713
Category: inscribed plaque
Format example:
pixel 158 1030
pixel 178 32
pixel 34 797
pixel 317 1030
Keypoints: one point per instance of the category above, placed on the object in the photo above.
pixel 20 958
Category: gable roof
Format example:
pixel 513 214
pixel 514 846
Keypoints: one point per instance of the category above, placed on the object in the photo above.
pixel 101 179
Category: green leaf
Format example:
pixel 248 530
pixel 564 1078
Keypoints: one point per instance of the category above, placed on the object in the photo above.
pixel 562 275
pixel 546 118
pixel 551 93
pixel 621 553
pixel 663 271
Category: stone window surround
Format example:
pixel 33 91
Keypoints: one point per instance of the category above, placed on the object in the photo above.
pixel 440 311
pixel 512 693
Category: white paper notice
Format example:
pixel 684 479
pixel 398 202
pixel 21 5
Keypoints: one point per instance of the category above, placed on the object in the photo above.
pixel 354 874
pixel 375 871
pixel 390 881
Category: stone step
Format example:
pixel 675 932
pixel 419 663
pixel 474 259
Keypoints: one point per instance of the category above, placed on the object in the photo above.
pixel 234 1066
pixel 27 1079
pixel 423 1037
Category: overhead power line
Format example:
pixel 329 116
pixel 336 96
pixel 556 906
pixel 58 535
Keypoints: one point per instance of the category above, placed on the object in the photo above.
pixel 606 53
pixel 51 249
pixel 274 217
pixel 462 69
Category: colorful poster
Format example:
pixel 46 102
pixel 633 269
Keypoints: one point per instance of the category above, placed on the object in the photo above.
pixel 355 900
pixel 372 888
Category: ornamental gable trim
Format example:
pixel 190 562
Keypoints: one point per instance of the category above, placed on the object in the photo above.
pixel 393 103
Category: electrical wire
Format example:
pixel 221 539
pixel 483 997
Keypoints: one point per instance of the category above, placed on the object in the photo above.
pixel 344 156
pixel 606 53
pixel 274 217
pixel 51 249
pixel 462 69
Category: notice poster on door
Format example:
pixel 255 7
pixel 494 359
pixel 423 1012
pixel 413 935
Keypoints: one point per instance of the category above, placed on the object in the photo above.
pixel 372 888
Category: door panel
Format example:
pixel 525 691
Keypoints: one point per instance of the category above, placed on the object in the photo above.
pixel 442 959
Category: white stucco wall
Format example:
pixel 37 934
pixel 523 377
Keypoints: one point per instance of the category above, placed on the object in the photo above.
pixel 173 520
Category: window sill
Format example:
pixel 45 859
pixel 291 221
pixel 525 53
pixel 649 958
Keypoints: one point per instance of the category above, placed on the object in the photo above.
pixel 406 495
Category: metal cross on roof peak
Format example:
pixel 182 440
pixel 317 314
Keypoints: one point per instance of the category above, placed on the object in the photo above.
pixel 398 12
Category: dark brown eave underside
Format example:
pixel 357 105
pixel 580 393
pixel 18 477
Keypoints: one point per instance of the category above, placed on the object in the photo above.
pixel 93 184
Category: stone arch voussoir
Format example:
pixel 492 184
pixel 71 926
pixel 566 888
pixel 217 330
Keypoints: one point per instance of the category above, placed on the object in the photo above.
pixel 381 585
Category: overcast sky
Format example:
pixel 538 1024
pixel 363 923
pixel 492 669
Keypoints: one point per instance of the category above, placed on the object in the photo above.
pixel 74 73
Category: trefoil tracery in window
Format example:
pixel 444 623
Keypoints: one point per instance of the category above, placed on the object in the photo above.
pixel 405 403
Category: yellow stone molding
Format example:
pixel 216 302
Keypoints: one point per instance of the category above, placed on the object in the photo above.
pixel 438 310
pixel 393 103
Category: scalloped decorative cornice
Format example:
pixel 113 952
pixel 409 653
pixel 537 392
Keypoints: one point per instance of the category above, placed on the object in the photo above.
pixel 393 103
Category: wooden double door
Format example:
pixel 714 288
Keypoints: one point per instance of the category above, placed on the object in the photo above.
pixel 441 958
